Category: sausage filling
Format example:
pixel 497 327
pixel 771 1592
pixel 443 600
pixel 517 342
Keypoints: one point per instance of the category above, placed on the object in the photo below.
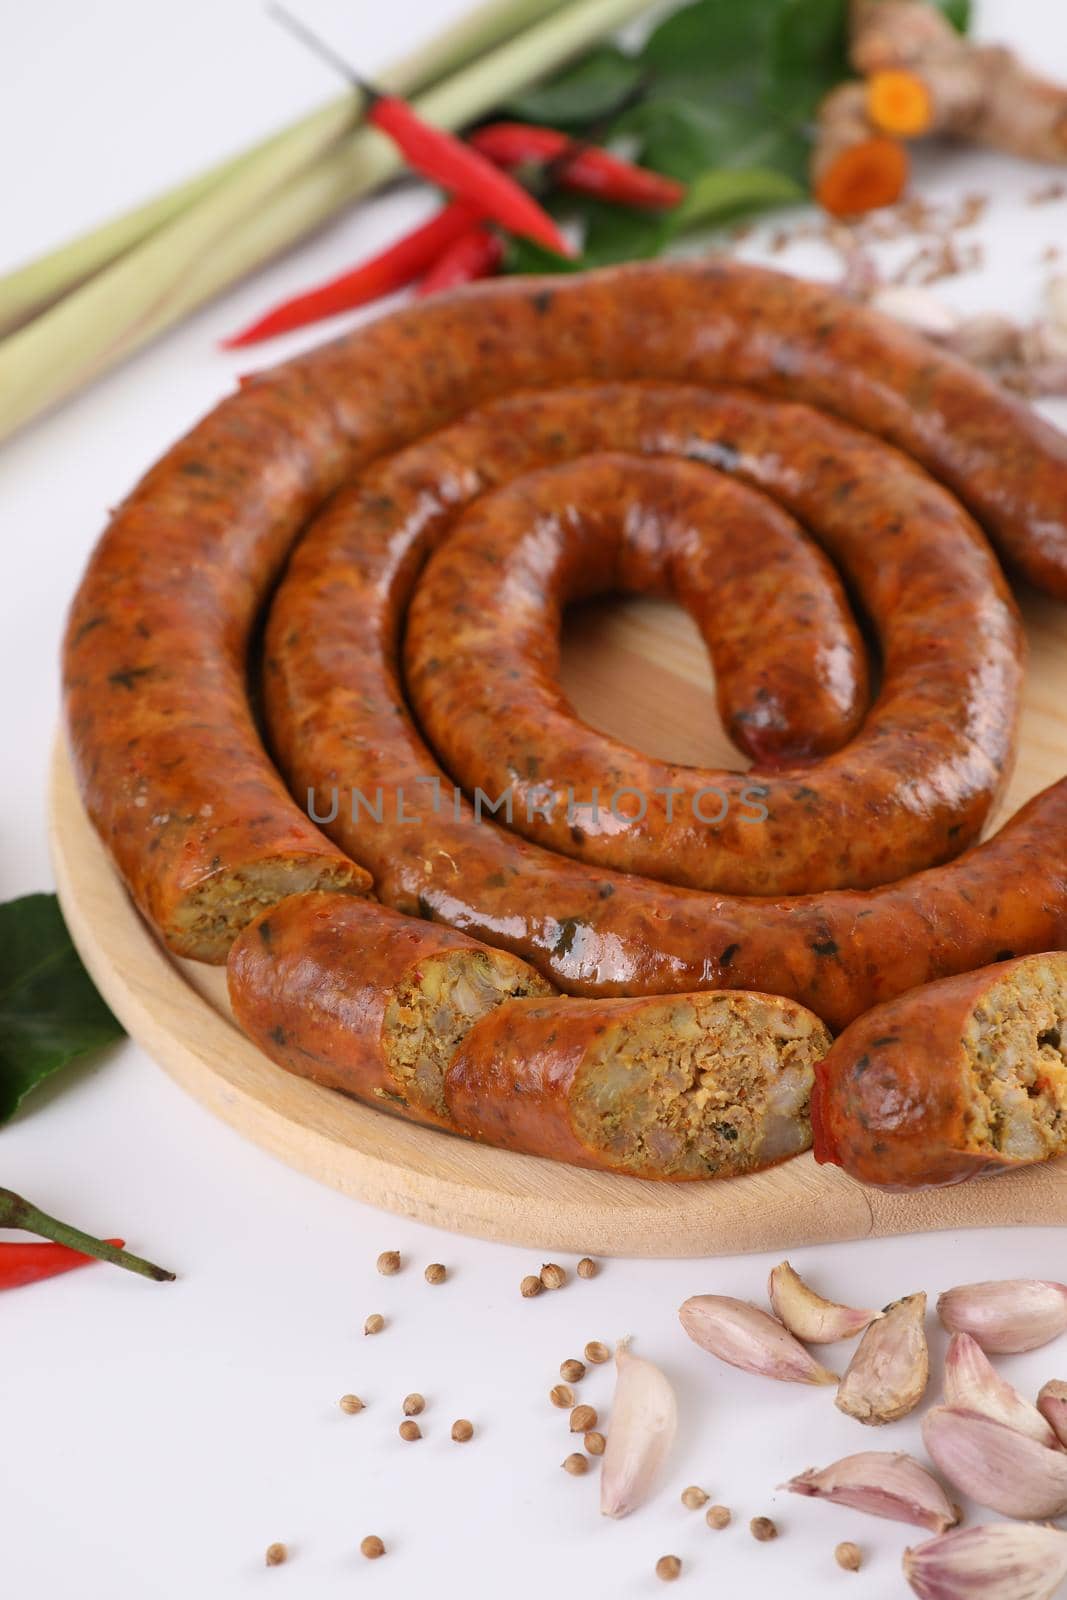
pixel 437 1005
pixel 215 911
pixel 704 1090
pixel 1016 1050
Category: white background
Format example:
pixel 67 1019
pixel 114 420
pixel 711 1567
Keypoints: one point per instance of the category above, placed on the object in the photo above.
pixel 154 1439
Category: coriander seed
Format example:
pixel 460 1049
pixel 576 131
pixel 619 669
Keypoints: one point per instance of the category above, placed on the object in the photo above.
pixel 562 1396
pixel 587 1268
pixel 668 1568
pixel 276 1554
pixel 413 1404
pixel 410 1430
pixel 553 1275
pixel 693 1498
pixel 389 1263
pixel 572 1371
pixel 849 1556
pixel 583 1419
pixel 762 1528
pixel 462 1430
pixel 576 1465
pixel 371 1547
pixel 594 1443
pixel 374 1324
pixel 718 1516
pixel 530 1286
pixel 350 1403
pixel 436 1272
pixel 596 1352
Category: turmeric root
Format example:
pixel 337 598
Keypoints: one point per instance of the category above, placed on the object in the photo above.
pixel 925 78
pixel 854 168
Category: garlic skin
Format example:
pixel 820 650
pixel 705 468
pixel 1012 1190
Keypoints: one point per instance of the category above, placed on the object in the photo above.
pixel 1006 1315
pixel 972 1383
pixel 644 1419
pixel 997 1561
pixel 887 1376
pixel 807 1315
pixel 1052 1404
pixel 883 1483
pixel 1001 1469
pixel 746 1337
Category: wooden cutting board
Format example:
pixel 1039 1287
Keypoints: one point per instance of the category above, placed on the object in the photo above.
pixel 637 669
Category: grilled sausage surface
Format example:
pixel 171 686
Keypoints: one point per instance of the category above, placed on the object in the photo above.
pixel 177 780
pixel 959 1077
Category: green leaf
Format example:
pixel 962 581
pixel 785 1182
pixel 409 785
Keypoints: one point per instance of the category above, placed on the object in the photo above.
pixel 710 40
pixel 807 54
pixel 615 233
pixel 596 88
pixel 958 13
pixel 50 1013
pixel 684 138
pixel 715 196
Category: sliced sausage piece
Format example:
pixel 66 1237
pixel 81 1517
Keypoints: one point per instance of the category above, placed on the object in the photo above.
pixel 959 1077
pixel 342 991
pixel 691 1086
pixel 482 654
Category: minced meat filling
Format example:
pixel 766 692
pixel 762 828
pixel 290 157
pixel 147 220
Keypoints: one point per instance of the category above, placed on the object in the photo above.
pixel 702 1087
pixel 435 1008
pixel 1015 1045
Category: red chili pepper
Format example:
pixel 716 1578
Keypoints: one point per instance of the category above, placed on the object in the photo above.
pixel 394 268
pixel 465 172
pixel 15 1212
pixel 584 168
pixel 437 154
pixel 30 1263
pixel 477 254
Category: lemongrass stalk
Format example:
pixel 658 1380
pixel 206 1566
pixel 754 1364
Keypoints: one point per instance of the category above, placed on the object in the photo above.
pixel 237 227
pixel 39 283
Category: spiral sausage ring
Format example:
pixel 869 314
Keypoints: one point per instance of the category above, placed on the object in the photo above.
pixel 418 503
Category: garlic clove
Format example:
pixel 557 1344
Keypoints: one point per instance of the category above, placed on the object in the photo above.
pixel 987 339
pixel 1052 1404
pixel 997 1561
pixel 918 308
pixel 1008 1315
pixel 1056 300
pixel 883 1483
pixel 746 1337
pixel 972 1383
pixel 999 1468
pixel 644 1419
pixel 887 1376
pixel 807 1315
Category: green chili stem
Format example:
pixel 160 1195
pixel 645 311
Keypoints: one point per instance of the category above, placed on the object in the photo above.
pixel 15 1212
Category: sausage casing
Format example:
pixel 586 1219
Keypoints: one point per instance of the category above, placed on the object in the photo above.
pixel 959 1077
pixel 686 1086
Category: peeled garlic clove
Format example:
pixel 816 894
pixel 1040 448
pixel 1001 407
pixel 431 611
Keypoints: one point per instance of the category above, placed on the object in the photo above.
pixel 883 1483
pixel 807 1315
pixel 972 1383
pixel 998 1561
pixel 1007 1471
pixel 916 307
pixel 644 1418
pixel 1052 1404
pixel 748 1338
pixel 1008 1315
pixel 888 1374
